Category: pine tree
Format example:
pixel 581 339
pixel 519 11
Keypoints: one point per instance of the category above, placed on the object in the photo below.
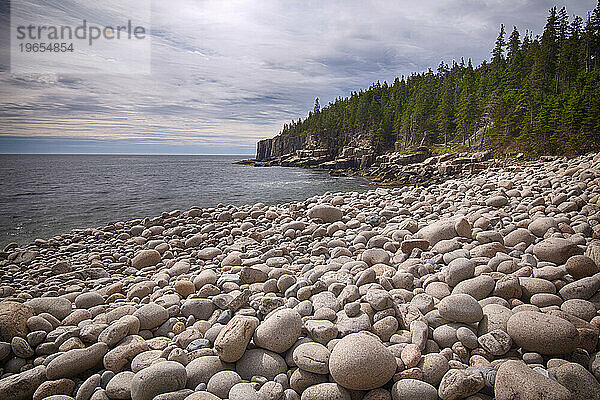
pixel 498 52
pixel 514 43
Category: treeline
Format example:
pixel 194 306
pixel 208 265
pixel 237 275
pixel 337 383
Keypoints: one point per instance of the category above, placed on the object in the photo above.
pixel 537 94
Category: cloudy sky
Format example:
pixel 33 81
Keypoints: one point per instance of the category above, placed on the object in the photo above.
pixel 226 73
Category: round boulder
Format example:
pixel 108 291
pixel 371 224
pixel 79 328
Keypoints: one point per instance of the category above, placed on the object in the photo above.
pixel 460 308
pixel 279 331
pixel 360 361
pixel 542 333
pixel 164 377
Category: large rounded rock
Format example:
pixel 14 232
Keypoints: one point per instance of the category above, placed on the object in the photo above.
pixel 520 235
pixel 88 300
pixel 495 316
pixel 312 357
pixel 200 369
pixel 201 309
pixel 460 308
pixel 556 250
pixel 438 231
pixel 434 367
pixel 410 389
pixel 119 387
pixel 164 377
pixel 542 333
pixel 232 340
pixel 516 381
pixel 581 266
pixel 22 386
pixel 479 287
pixel 279 331
pixel 58 307
pixel 145 258
pixel 221 382
pixel 259 362
pixel 76 361
pixel 541 225
pixel 375 256
pixel 325 213
pixel 460 384
pixel 13 319
pixel 325 391
pixel 458 270
pixel 582 289
pixel 151 315
pixel 578 380
pixel 360 361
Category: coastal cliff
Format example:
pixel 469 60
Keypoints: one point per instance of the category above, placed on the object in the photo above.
pixel 278 146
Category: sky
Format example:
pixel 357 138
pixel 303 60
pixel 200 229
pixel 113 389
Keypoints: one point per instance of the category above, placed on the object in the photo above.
pixel 227 73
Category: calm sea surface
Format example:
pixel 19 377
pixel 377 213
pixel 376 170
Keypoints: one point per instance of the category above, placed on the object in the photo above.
pixel 45 195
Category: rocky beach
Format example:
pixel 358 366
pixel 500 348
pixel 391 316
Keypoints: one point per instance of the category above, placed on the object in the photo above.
pixel 485 285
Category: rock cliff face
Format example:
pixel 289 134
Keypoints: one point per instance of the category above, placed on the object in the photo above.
pixel 278 146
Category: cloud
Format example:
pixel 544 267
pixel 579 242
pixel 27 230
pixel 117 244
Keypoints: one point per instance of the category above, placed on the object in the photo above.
pixel 227 73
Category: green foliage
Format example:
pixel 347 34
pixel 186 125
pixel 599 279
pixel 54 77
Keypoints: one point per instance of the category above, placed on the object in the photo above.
pixel 540 95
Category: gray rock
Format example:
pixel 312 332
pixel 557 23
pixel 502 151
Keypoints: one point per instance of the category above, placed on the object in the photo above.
pixel 581 289
pixel 459 384
pixel 22 386
pixel 460 308
pixel 578 380
pixel 496 342
pixel 409 389
pixel 279 331
pixel 76 361
pixel 325 213
pixel 221 382
pixel 145 258
pixel 556 250
pixel 542 333
pixel 361 362
pixel 13 319
pixel 516 381
pixel 88 300
pixel 259 362
pixel 58 307
pixel 164 377
pixel 200 369
pixel 326 391
pixel 458 270
pixel 312 357
pixel 151 316
pixel 119 387
pixel 232 340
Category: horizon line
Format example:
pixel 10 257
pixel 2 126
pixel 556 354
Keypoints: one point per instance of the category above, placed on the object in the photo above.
pixel 126 154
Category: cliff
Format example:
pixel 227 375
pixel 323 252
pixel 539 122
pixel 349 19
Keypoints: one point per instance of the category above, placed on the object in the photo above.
pixel 278 146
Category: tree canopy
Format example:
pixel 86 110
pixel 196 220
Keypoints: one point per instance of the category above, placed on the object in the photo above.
pixel 536 94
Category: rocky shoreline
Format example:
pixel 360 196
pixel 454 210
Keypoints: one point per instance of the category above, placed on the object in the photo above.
pixel 416 167
pixel 483 286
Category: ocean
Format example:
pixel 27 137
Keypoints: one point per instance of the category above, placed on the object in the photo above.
pixel 45 195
